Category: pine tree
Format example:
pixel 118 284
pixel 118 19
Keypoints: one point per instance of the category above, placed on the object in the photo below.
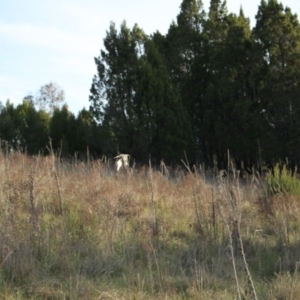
pixel 237 127
pixel 183 53
pixel 215 30
pixel 277 37
pixel 114 86
pixel 8 129
pixel 133 98
pixel 165 122
pixel 61 131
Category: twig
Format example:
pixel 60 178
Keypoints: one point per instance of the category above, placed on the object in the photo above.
pixel 249 278
pixel 34 217
pixel 232 252
pixel 50 149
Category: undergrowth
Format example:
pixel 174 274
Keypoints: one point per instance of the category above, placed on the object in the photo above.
pixel 282 180
pixel 71 230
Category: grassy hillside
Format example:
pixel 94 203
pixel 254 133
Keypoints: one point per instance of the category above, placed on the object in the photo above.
pixel 73 230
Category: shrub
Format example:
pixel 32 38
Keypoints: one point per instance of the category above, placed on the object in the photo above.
pixel 282 180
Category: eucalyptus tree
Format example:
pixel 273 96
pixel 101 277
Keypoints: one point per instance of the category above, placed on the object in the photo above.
pixel 50 96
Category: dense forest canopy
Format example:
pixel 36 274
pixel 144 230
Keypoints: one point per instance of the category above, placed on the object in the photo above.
pixel 210 86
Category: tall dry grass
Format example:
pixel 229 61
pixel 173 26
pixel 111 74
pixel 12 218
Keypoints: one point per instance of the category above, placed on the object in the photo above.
pixel 75 230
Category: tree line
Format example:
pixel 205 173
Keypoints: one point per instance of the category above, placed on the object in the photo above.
pixel 210 86
pixel 44 123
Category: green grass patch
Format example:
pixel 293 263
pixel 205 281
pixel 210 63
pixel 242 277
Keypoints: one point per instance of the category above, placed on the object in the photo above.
pixel 282 180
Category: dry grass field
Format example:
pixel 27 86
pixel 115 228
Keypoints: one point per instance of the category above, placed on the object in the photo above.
pixel 74 230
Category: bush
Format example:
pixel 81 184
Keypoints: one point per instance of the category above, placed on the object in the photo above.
pixel 282 180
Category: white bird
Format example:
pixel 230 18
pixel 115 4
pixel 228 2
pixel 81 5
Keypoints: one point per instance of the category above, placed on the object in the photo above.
pixel 122 160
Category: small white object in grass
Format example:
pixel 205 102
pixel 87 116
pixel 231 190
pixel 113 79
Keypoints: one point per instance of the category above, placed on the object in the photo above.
pixel 122 160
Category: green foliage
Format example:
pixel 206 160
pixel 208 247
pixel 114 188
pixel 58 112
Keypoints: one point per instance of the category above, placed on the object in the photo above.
pixel 24 128
pixel 282 180
pixel 170 132
pixel 142 111
pixel 277 55
pixel 33 127
pixel 7 125
pixel 114 86
pixel 210 85
pixel 63 131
